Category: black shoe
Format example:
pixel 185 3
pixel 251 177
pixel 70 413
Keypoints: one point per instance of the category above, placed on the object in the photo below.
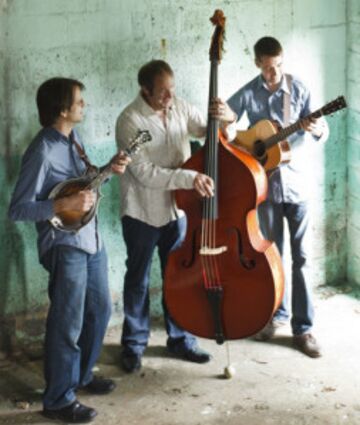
pixel 99 386
pixel 130 362
pixel 192 354
pixel 75 413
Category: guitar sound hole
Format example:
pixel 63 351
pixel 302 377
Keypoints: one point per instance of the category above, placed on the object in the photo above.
pixel 260 151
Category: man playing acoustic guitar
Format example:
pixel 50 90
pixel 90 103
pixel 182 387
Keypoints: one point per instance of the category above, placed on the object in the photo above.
pixel 77 263
pixel 276 96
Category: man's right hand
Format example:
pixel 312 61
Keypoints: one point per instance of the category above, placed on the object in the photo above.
pixel 204 185
pixel 81 201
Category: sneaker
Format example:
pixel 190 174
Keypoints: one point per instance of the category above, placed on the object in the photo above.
pixel 307 344
pixel 269 330
pixel 75 413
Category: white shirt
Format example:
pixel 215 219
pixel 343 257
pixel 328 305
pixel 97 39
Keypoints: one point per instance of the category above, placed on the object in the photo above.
pixel 147 185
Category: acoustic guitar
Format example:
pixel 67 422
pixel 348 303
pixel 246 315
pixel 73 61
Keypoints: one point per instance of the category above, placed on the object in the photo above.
pixel 73 220
pixel 267 142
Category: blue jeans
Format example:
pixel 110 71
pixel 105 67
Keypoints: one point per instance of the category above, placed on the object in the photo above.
pixel 79 312
pixel 271 216
pixel 141 240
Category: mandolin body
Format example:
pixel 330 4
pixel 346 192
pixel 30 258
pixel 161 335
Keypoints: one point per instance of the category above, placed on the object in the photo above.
pixel 73 220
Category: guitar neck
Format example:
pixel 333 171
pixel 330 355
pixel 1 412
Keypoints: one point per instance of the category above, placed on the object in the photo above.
pixel 287 131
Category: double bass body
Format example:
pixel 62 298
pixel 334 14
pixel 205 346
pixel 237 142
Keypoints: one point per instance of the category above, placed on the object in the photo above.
pixel 250 270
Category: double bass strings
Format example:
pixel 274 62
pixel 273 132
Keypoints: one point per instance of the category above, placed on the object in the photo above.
pixel 210 207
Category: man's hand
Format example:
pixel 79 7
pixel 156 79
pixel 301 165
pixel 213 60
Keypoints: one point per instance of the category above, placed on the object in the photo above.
pixel 221 110
pixel 119 163
pixel 313 125
pixel 81 201
pixel 204 185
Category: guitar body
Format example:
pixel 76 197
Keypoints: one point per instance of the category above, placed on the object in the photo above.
pixel 72 220
pixel 250 141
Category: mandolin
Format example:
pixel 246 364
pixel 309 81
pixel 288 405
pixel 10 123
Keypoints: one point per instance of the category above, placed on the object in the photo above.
pixel 268 144
pixel 73 220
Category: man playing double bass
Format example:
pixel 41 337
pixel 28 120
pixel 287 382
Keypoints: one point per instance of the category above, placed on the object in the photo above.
pixel 264 98
pixel 150 218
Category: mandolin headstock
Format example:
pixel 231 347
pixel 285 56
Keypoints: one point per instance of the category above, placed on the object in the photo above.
pixel 142 137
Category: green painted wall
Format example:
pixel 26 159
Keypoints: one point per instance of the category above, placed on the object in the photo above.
pixel 353 89
pixel 104 42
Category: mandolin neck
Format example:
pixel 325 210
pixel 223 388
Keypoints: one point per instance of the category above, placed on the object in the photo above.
pixel 99 179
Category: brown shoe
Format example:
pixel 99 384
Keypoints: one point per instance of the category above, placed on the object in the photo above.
pixel 307 344
pixel 269 330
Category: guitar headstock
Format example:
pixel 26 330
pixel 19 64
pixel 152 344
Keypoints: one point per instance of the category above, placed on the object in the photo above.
pixel 216 48
pixel 142 137
pixel 335 105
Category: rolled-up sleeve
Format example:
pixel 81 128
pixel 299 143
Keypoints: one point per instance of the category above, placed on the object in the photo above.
pixel 144 171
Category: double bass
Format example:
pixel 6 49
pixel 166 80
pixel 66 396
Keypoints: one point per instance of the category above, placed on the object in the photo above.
pixel 225 281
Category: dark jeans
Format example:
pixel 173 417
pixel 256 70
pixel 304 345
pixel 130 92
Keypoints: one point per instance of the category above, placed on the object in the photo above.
pixel 141 241
pixel 271 216
pixel 79 312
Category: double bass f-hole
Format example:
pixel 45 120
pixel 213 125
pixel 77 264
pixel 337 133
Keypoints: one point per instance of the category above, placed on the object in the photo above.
pixel 205 250
pixel 245 262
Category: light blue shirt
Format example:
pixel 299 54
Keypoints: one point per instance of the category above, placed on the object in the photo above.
pixel 50 159
pixel 286 183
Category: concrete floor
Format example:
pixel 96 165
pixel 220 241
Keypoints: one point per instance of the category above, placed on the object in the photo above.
pixel 274 384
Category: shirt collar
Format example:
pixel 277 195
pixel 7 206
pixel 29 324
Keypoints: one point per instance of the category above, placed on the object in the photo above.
pixel 284 86
pixel 59 136
pixel 145 108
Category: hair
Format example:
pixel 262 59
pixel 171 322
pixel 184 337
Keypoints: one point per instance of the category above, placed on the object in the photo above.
pixel 152 69
pixel 55 96
pixel 267 46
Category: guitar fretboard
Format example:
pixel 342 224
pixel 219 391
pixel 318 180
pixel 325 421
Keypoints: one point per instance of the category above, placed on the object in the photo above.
pixel 285 132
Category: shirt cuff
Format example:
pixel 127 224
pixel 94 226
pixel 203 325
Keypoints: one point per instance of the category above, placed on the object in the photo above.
pixel 230 131
pixel 187 179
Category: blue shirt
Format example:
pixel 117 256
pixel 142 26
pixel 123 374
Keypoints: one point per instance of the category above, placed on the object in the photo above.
pixel 50 159
pixel 287 183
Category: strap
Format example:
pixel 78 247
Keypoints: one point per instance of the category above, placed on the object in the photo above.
pixel 286 99
pixel 82 154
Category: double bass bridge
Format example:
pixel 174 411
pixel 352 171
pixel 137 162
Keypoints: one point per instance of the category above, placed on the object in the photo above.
pixel 205 250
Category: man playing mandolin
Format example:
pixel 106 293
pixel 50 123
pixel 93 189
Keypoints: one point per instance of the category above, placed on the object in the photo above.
pixel 280 97
pixel 80 304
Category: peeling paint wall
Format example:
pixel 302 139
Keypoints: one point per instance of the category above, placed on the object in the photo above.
pixel 103 43
pixel 353 89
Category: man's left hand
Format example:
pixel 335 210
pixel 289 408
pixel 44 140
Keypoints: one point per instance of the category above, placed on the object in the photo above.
pixel 313 125
pixel 222 111
pixel 119 163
